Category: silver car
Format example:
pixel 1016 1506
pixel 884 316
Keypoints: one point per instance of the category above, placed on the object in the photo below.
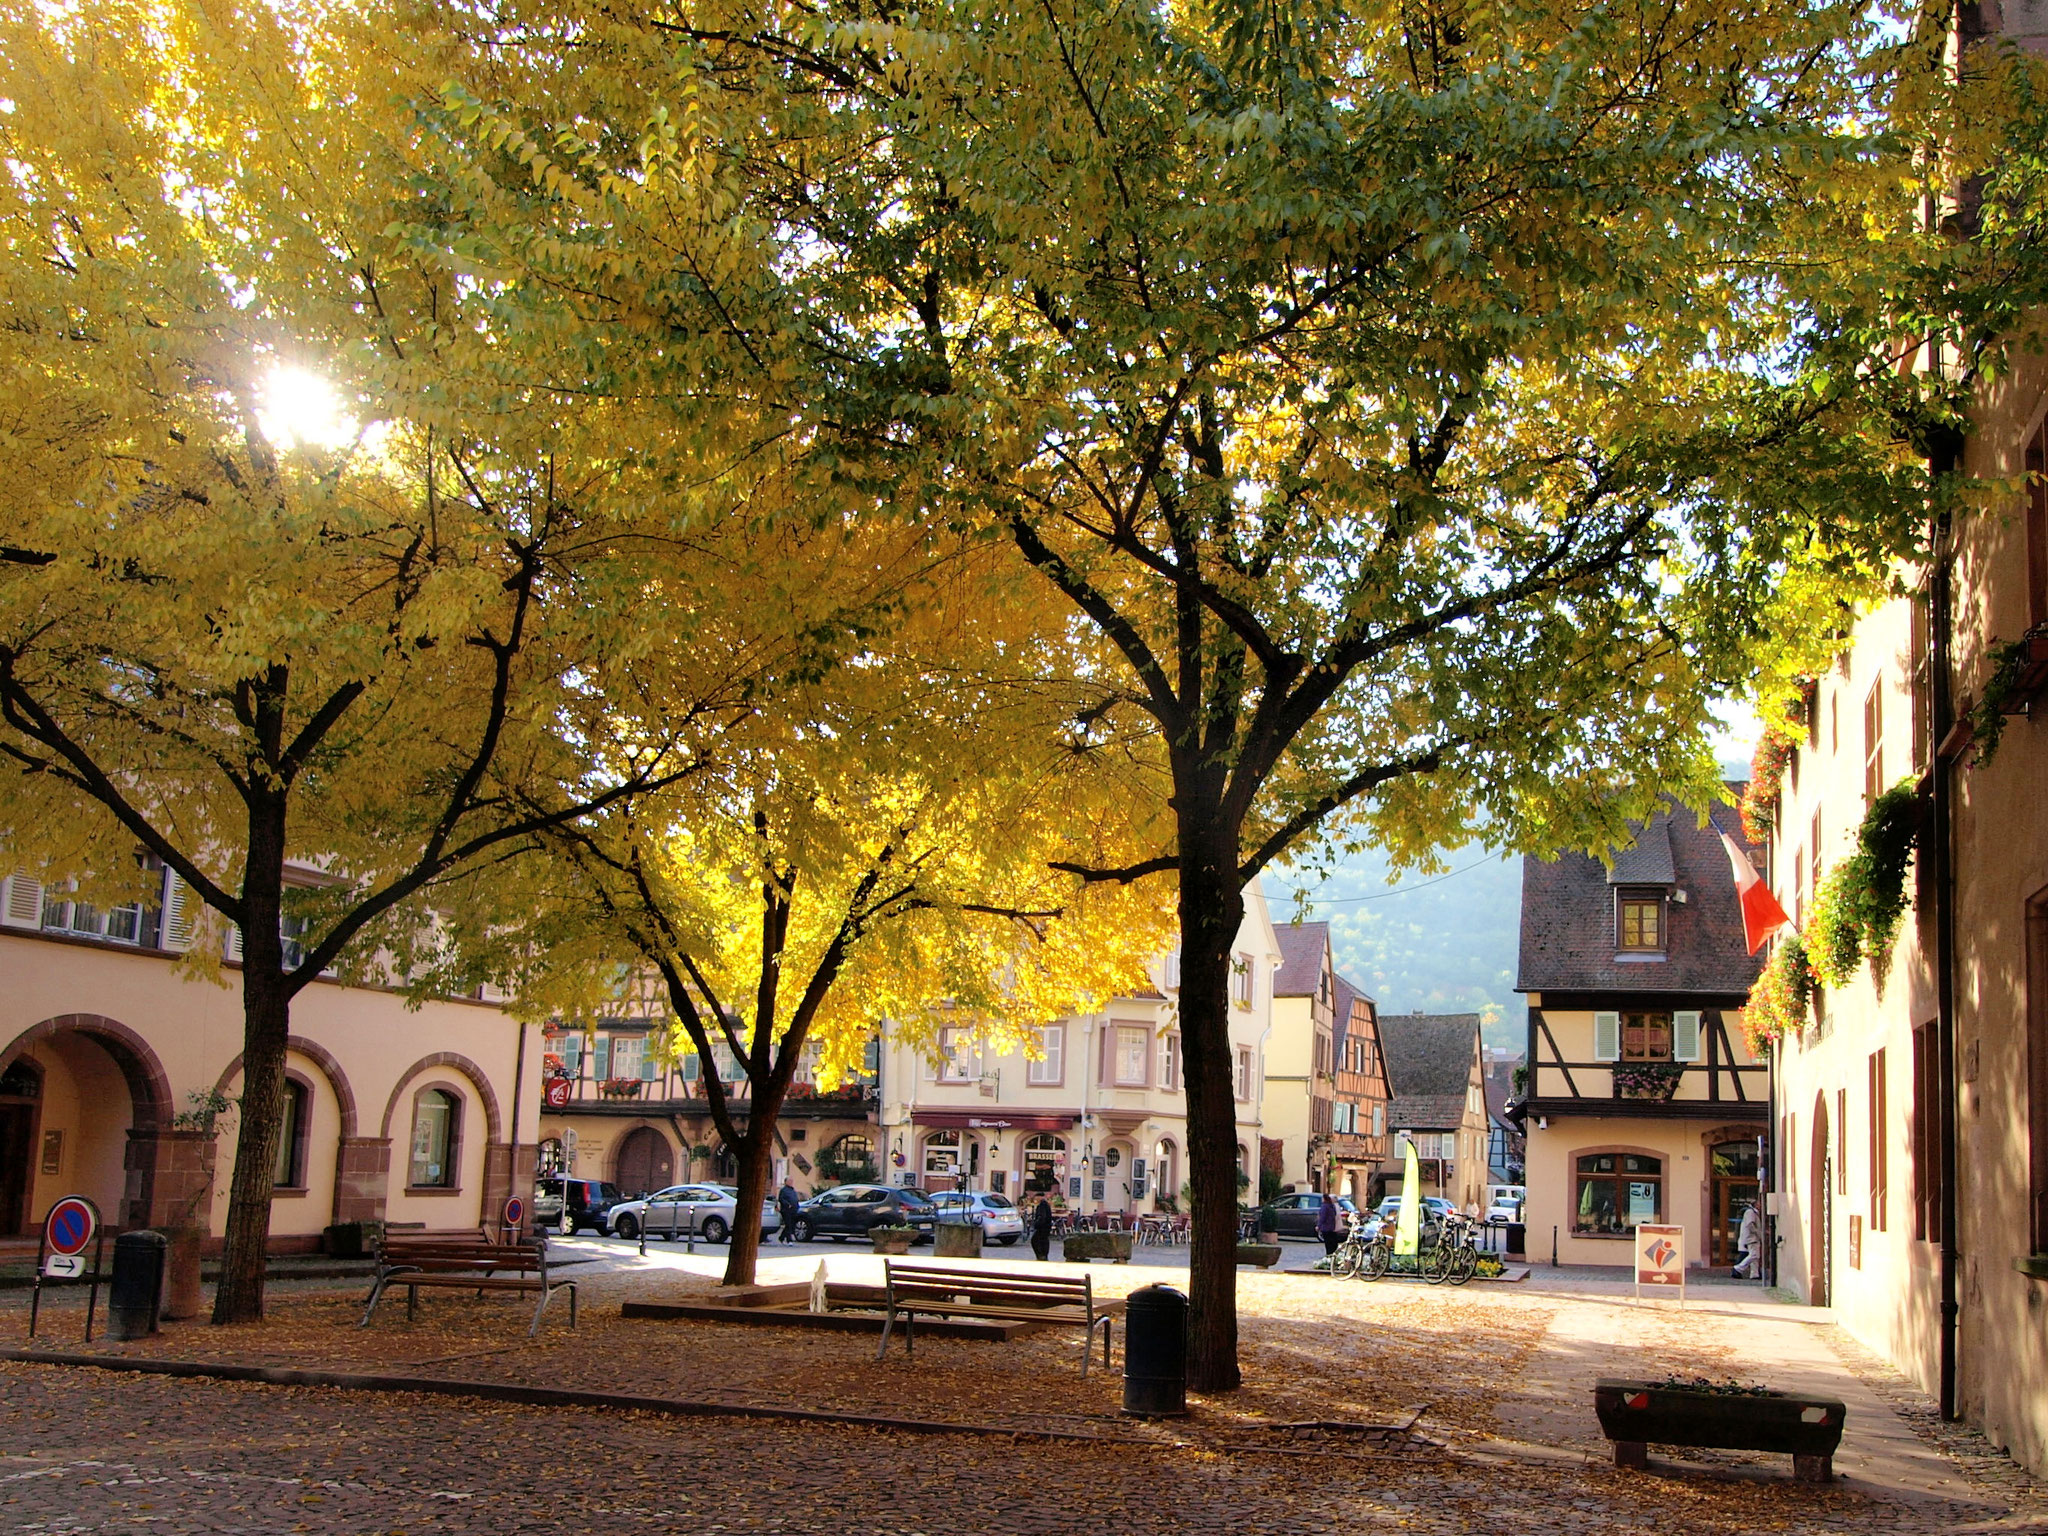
pixel 999 1220
pixel 705 1209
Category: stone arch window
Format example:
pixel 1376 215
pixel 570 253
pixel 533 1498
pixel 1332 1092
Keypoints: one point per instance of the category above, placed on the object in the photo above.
pixel 1045 1162
pixel 942 1155
pixel 436 1139
pixel 551 1156
pixel 1614 1189
pixel 295 1126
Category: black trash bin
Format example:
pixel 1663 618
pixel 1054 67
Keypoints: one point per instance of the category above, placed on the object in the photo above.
pixel 1518 1239
pixel 136 1298
pixel 1156 1353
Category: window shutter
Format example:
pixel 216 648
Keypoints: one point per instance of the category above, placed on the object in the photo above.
pixel 601 1058
pixel 234 949
pixel 23 907
pixel 1606 1037
pixel 1685 1036
pixel 1172 970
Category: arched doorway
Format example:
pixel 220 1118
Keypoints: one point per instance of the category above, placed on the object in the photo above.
pixel 1045 1165
pixel 1117 1171
pixel 1732 1167
pixel 94 1081
pixel 21 1094
pixel 1821 1211
pixel 646 1162
pixel 944 1161
pixel 1166 1173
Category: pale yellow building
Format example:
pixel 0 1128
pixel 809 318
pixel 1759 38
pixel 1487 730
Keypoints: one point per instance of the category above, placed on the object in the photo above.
pixel 108 1052
pixel 1297 1107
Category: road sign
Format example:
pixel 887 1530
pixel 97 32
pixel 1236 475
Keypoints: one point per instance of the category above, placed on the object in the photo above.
pixel 569 1150
pixel 70 1225
pixel 1660 1258
pixel 515 1211
pixel 64 1266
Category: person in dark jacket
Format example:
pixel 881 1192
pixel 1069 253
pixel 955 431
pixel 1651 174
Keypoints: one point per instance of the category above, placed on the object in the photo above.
pixel 1041 1230
pixel 1328 1227
pixel 786 1202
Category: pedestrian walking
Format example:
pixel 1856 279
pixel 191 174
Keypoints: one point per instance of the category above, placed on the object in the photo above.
pixel 1328 1227
pixel 786 1202
pixel 1041 1230
pixel 1749 1238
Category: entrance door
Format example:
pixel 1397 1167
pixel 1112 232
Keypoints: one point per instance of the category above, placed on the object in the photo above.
pixel 1821 1239
pixel 1735 1189
pixel 646 1162
pixel 17 1141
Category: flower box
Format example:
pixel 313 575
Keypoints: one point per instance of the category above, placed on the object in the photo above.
pixel 1265 1255
pixel 957 1240
pixel 1654 1080
pixel 892 1239
pixel 621 1087
pixel 1638 1414
pixel 1080 1247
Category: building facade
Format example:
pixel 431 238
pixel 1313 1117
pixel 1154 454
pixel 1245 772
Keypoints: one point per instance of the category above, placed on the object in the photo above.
pixel 1913 1105
pixel 1096 1116
pixel 1358 1131
pixel 1644 1102
pixel 1298 1106
pixel 1437 1074
pixel 112 1060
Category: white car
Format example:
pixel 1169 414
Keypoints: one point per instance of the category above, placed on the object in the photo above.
pixel 1000 1221
pixel 1504 1203
pixel 706 1209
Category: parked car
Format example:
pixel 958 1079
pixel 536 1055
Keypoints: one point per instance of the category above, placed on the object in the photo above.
pixel 569 1205
pixel 999 1220
pixel 1504 1203
pixel 1434 1209
pixel 1295 1215
pixel 707 1209
pixel 852 1210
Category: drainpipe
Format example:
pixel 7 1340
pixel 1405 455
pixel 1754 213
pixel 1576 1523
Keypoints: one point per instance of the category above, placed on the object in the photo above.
pixel 1944 459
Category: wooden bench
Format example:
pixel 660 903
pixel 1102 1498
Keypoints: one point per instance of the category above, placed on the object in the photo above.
pixel 455 1262
pixel 939 1292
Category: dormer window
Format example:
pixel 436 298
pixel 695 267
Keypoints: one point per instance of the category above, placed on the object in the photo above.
pixel 1640 922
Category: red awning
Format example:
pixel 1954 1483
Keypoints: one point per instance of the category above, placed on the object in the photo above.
pixel 992 1120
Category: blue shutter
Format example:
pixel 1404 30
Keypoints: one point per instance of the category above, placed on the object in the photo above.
pixel 1607 1037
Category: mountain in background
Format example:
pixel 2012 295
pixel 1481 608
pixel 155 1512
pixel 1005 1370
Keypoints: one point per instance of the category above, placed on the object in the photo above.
pixel 1443 944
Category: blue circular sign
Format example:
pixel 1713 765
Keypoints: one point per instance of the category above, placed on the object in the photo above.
pixel 70 1225
pixel 515 1211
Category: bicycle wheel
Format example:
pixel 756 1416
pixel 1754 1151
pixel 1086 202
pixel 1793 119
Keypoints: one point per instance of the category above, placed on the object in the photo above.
pixel 1436 1265
pixel 1379 1254
pixel 1464 1263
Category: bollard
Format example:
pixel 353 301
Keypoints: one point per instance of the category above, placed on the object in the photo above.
pixel 136 1297
pixel 1156 1353
pixel 690 1221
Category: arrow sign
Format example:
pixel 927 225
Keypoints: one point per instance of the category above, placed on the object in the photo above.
pixel 64 1266
pixel 70 1225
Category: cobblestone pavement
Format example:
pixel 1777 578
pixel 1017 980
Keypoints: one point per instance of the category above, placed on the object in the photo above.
pixel 83 1450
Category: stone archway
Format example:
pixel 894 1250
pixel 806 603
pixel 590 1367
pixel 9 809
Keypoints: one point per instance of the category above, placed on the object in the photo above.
pixel 110 1151
pixel 644 1162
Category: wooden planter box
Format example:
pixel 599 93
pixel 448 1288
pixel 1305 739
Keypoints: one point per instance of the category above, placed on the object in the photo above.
pixel 1265 1255
pixel 892 1239
pixel 1080 1247
pixel 1638 1414
pixel 956 1240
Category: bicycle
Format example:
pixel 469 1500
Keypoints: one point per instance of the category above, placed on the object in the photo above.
pixel 1349 1259
pixel 1455 1257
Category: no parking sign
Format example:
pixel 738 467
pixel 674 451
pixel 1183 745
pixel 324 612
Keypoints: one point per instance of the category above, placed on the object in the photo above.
pixel 71 1225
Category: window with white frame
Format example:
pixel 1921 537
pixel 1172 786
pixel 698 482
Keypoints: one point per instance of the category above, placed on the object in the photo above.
pixel 1133 1055
pixel 1170 1066
pixel 61 914
pixel 1241 980
pixel 1244 1074
pixel 1049 1068
pixel 628 1052
pixel 956 1055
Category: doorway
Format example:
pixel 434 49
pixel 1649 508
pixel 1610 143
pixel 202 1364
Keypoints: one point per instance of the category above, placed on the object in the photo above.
pixel 1735 1188
pixel 1821 1237
pixel 646 1162
pixel 21 1092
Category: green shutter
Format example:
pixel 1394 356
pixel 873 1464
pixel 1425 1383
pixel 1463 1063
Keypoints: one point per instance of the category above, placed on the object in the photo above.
pixel 1685 1036
pixel 1606 1037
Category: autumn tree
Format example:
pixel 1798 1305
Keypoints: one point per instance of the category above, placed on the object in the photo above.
pixel 881 845
pixel 317 667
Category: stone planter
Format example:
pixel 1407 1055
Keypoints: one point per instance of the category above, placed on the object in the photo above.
pixel 183 1297
pixel 351 1239
pixel 892 1239
pixel 1080 1247
pixel 956 1240
pixel 1265 1255
pixel 1638 1414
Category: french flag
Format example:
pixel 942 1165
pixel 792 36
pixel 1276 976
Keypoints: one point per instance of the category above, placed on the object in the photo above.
pixel 1761 914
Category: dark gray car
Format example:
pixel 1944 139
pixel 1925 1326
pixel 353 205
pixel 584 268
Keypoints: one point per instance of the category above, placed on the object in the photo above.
pixel 853 1210
pixel 1295 1215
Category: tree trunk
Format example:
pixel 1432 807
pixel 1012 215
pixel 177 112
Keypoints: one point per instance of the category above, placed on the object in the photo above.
pixel 756 1158
pixel 1211 908
pixel 266 1027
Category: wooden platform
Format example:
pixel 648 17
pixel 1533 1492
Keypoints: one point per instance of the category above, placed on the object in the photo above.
pixel 854 1309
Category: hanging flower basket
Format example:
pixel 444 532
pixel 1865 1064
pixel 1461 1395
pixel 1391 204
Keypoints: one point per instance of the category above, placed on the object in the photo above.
pixel 621 1088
